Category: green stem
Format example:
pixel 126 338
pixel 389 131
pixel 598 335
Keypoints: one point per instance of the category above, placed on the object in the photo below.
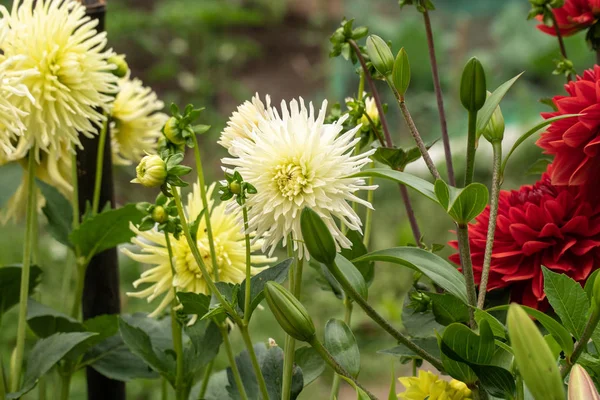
pixel 81 266
pixel 335 386
pixel 561 43
pixel 25 270
pixel 471 147
pixel 464 251
pixel 382 322
pixel 369 212
pixel 259 376
pixel 290 343
pixel 520 388
pixel 234 369
pixel 583 341
pixel 205 379
pixel 414 367
pixel 361 84
pixel 248 266
pixel 65 384
pixel 202 183
pixel 99 166
pixel 2 382
pixel 75 183
pixel 489 244
pixel 328 358
pixel 164 389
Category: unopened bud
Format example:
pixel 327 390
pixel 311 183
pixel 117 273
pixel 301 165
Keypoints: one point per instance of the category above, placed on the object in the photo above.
pixel 119 61
pixel 472 86
pixel 289 312
pixel 380 54
pixel 494 130
pixel 172 131
pixel 159 215
pixel 235 187
pixel 581 386
pixel 317 238
pixel 151 171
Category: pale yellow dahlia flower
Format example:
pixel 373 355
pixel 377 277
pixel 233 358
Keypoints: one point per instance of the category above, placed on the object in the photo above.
pixel 74 80
pixel 428 386
pixel 230 251
pixel 136 122
pixel 296 160
pixel 370 111
pixel 244 120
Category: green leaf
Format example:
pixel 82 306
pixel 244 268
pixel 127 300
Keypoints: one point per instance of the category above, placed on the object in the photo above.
pixel 397 158
pixel 11 176
pixel 341 343
pixel 45 354
pixel 58 211
pixel 485 114
pixel 440 271
pixel 114 360
pixel 310 362
pixel 498 329
pixel 352 275
pixel 469 346
pixel 530 132
pixel 420 324
pixel 205 340
pixel 194 303
pixel 472 86
pixel 429 344
pixel 447 309
pixel 45 321
pixel 140 344
pixel 568 299
pixel 418 184
pixel 538 167
pixel 589 284
pixel 105 230
pixel 277 273
pixel 317 238
pixel 401 72
pixel 463 205
pixel 358 249
pixel 392 393
pixel 360 394
pixel 10 285
pixel 497 381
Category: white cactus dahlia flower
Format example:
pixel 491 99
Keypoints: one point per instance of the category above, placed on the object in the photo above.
pixel 244 120
pixel 295 160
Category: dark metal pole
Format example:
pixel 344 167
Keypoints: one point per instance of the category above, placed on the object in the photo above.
pixel 101 288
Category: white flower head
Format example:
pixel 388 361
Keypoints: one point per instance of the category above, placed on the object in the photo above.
pixel 136 122
pixel 73 82
pixel 244 120
pixel 295 161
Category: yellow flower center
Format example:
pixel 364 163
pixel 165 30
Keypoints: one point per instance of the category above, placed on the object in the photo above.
pixel 291 179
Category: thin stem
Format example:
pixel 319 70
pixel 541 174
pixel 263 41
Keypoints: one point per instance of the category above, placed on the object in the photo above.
pixel 2 383
pixel 328 358
pixel 290 342
pixel 80 266
pixel 75 183
pixel 369 213
pixel 471 147
pixel 464 250
pixel 65 384
pixel 234 369
pixel 414 367
pixel 489 244
pixel 439 97
pixel 583 341
pixel 417 136
pixel 335 386
pixel 202 183
pixel 25 270
pixel 99 166
pixel 520 388
pixel 561 43
pixel 164 389
pixel 361 84
pixel 259 376
pixel 205 379
pixel 248 266
pixel 410 212
pixel 382 322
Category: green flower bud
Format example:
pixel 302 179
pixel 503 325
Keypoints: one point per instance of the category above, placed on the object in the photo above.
pixel 172 132
pixel 533 357
pixel 581 386
pixel 317 238
pixel 472 86
pixel 151 171
pixel 235 187
pixel 380 54
pixel 289 312
pixel 494 130
pixel 159 214
pixel 122 67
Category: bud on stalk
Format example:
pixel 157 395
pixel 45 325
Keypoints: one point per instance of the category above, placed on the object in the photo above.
pixel 472 86
pixel 381 55
pixel 151 171
pixel 494 130
pixel 317 238
pixel 581 386
pixel 289 312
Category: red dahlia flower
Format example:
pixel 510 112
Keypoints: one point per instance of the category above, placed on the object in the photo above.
pixel 573 16
pixel 575 142
pixel 538 224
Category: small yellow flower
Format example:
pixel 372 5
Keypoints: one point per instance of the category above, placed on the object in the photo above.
pixel 151 171
pixel 428 386
pixel 371 111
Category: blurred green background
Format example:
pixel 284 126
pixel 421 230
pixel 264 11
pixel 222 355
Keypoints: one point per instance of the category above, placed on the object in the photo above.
pixel 218 53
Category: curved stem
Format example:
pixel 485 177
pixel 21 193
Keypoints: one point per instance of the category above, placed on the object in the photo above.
pixel 471 147
pixel 382 322
pixel 328 358
pixel 209 232
pixel 489 243
pixel 99 166
pixel 206 379
pixel 25 271
pixel 464 250
pixel 259 376
pixel 335 386
pixel 234 369
pixel 439 97
pixel 583 341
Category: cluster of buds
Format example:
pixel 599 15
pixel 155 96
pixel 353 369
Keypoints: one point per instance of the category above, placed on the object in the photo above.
pixel 179 130
pixel 163 212
pixel 235 186
pixel 341 40
pixel 564 67
pixel 543 8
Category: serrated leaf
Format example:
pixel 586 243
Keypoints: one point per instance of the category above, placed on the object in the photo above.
pixel 420 185
pixel 10 285
pixel 341 343
pixel 568 299
pixel 105 230
pixel 310 362
pixel 277 273
pixel 448 309
pixel 58 211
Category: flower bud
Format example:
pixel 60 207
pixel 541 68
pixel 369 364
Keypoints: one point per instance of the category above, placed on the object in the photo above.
pixel 494 130
pixel 472 86
pixel 289 312
pixel 172 132
pixel 533 357
pixel 317 238
pixel 119 61
pixel 235 187
pixel 380 54
pixel 151 171
pixel 581 386
pixel 159 214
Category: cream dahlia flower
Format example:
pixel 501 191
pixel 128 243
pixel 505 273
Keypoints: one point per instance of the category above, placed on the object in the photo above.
pixel 73 83
pixel 244 120
pixel 229 246
pixel 296 161
pixel 136 122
